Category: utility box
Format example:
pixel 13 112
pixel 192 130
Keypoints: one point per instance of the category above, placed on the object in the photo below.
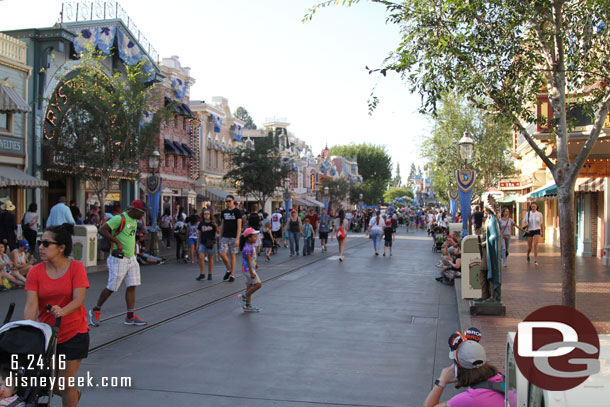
pixel 84 244
pixel 471 265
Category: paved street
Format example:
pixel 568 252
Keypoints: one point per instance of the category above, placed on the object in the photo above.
pixel 370 331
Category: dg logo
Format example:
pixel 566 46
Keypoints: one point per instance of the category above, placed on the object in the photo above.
pixel 557 348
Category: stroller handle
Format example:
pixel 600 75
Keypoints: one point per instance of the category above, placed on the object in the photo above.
pixel 9 314
pixel 57 320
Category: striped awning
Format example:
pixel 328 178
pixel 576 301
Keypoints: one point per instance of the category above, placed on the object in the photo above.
pixel 11 176
pixel 11 101
pixel 589 185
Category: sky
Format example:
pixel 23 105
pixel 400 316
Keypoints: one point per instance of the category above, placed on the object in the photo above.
pixel 260 55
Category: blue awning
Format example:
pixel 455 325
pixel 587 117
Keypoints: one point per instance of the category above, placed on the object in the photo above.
pixel 170 148
pixel 547 190
pixel 179 149
pixel 188 150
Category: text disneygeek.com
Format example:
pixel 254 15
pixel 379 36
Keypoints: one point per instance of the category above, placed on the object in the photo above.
pixel 63 382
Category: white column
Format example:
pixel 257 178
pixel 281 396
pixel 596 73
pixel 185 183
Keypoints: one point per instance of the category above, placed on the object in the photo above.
pixel 606 243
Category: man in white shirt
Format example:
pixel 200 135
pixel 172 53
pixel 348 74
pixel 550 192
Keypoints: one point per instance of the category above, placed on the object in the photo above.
pixel 276 226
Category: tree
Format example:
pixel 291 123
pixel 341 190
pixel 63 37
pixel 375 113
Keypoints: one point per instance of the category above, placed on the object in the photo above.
pixel 397 181
pixel 258 171
pixel 412 175
pixel 102 132
pixel 338 188
pixel 503 56
pixel 374 165
pixel 243 115
pixel 492 138
pixel 394 193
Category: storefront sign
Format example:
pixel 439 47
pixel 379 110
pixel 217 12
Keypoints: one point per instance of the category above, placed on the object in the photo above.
pixel 12 145
pixel 594 169
pixel 510 184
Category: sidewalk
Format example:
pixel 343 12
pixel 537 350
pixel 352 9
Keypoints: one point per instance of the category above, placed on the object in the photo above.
pixel 526 288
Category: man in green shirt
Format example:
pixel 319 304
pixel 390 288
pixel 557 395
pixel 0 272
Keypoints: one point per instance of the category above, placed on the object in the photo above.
pixel 120 230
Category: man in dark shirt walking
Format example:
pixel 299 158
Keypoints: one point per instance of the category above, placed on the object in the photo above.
pixel 477 220
pixel 230 227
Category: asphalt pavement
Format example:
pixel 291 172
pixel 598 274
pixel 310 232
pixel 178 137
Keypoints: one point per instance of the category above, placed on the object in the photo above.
pixel 370 331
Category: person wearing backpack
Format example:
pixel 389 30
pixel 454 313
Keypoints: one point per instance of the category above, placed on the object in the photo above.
pixel 340 231
pixel 469 369
pixel 179 235
pixel 166 227
pixel 122 262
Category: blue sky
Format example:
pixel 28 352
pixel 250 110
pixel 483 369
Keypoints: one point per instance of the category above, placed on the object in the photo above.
pixel 259 55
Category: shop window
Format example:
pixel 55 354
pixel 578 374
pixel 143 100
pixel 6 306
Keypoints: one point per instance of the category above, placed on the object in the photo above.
pixel 6 122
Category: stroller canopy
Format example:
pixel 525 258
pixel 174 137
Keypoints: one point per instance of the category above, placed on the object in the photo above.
pixel 26 336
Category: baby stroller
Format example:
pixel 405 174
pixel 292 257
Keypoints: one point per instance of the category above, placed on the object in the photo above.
pixel 438 239
pixel 30 339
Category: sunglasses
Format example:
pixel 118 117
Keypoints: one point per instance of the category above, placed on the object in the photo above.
pixel 228 201
pixel 46 243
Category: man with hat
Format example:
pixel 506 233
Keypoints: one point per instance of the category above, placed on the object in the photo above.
pixel 8 223
pixel 60 213
pixel 120 230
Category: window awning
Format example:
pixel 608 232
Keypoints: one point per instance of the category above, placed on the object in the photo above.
pixel 215 194
pixel 549 189
pixel 300 202
pixel 170 148
pixel 14 177
pixel 315 202
pixel 187 110
pixel 589 185
pixel 11 101
pixel 188 150
pixel 179 149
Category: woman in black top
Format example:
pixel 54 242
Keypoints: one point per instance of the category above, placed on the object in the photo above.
pixel 295 230
pixel 206 240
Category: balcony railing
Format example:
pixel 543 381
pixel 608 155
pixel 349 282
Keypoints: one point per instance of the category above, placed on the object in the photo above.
pixel 13 49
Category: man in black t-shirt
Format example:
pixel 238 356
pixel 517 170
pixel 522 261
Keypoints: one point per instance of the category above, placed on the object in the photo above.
pixel 477 221
pixel 230 227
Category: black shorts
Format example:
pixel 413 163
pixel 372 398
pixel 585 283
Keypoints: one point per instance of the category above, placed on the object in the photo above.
pixel 277 234
pixel 323 235
pixel 267 244
pixel 75 348
pixel 532 233
pixel 388 243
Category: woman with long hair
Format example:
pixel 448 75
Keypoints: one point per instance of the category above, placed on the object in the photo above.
pixel 375 231
pixel 506 228
pixel 341 225
pixel 207 238
pixel 295 231
pixel 62 283
pixel 29 225
pixel 533 222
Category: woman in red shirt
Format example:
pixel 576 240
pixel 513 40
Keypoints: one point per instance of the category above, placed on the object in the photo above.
pixel 61 282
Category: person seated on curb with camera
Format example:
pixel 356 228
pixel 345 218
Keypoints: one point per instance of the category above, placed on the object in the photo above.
pixel 122 262
pixel 143 257
pixel 469 369
pixel 452 267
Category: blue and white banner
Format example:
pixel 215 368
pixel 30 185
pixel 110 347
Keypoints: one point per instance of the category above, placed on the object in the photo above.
pixel 217 123
pixel 179 87
pixel 453 204
pixel 238 132
pixel 465 181
pixel 129 51
pixel 86 39
pixel 105 39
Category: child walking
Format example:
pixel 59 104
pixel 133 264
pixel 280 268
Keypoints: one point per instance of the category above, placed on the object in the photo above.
pixel 248 263
pixel 268 241
pixel 307 238
pixel 388 233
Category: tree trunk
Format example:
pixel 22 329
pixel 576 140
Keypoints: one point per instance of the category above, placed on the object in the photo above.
pixel 565 195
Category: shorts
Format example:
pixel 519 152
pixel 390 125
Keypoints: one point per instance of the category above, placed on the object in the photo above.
pixel 75 348
pixel 277 234
pixel 122 269
pixel 192 241
pixel 323 235
pixel 267 244
pixel 228 244
pixel 388 243
pixel 205 250
pixel 531 233
pixel 250 280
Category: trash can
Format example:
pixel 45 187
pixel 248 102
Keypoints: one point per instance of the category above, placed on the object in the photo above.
pixel 471 263
pixel 84 244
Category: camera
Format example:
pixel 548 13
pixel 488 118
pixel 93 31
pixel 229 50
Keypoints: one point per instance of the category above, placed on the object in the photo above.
pixel 118 254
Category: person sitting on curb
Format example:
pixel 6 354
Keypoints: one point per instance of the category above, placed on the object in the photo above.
pixel 469 369
pixel 145 258
pixel 453 268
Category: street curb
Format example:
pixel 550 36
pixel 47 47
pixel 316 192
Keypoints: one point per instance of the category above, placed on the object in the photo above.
pixel 463 308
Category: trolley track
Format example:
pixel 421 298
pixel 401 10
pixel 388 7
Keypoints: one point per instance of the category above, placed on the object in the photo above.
pixel 205 304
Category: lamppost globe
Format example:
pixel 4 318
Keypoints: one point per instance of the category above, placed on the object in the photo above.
pixel 154 160
pixel 466 145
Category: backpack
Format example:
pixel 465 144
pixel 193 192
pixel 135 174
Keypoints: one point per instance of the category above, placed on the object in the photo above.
pixel 179 230
pixel 340 233
pixel 103 243
pixel 165 221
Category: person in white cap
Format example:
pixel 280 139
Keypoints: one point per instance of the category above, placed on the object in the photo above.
pixel 470 369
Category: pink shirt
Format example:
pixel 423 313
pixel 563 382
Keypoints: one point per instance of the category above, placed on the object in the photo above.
pixel 479 397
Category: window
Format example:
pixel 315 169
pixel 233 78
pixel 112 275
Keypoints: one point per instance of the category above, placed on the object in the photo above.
pixel 184 123
pixel 5 122
pixel 175 121
pixel 166 160
pixel 176 162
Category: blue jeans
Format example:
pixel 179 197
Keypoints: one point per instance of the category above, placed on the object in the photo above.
pixel 505 244
pixel 307 245
pixel 294 242
pixel 376 236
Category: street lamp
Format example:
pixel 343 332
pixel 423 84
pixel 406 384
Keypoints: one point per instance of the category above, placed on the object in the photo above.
pixel 326 198
pixel 465 179
pixel 153 186
pixel 287 194
pixel 361 201
pixel 466 145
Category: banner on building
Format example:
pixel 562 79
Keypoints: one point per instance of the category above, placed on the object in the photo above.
pixel 453 204
pixel 465 180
